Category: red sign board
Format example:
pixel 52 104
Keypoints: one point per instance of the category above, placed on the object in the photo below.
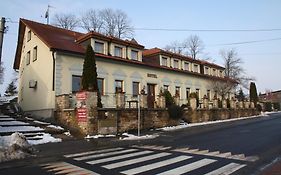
pixel 82 114
pixel 81 95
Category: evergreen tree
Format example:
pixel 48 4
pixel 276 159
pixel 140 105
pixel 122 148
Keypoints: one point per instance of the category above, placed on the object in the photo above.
pixel 89 75
pixel 253 93
pixel 240 96
pixel 11 89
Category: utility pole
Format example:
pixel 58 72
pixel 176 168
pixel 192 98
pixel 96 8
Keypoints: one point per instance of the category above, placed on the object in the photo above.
pixel 2 31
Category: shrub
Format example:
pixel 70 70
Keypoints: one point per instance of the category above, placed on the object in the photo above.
pixel 276 106
pixel 168 98
pixel 259 108
pixel 175 111
pixel 268 106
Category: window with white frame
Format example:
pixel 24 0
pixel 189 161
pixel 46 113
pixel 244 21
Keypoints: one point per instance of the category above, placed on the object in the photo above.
pixel 209 94
pixel 136 88
pixel 35 53
pixel 134 54
pixel 198 93
pixel 29 35
pixel 186 66
pixel 28 58
pixel 176 63
pixel 118 86
pixel 118 51
pixel 76 83
pixel 214 72
pixel 164 61
pixel 187 92
pixel 195 68
pixel 99 47
pixel 207 70
pixel 177 91
pixel 101 85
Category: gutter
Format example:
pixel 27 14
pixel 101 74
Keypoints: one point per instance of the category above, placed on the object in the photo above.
pixel 54 65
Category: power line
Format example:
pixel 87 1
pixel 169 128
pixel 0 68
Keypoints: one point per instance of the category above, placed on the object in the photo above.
pixel 208 30
pixel 247 42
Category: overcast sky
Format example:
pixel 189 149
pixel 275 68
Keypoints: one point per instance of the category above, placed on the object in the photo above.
pixel 261 59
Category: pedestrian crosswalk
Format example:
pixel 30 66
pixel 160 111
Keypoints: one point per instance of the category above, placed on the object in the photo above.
pixel 149 159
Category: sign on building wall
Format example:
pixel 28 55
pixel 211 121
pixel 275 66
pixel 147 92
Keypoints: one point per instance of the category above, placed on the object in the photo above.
pixel 81 106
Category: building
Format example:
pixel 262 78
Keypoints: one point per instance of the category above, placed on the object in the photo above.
pixel 50 59
pixel 272 96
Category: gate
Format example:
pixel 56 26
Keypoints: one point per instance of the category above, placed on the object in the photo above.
pixel 107 122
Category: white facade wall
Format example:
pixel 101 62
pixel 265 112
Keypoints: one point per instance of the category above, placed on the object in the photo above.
pixel 42 97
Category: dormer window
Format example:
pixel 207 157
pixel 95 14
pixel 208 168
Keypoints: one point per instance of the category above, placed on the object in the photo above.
pixel 164 61
pixel 214 72
pixel 176 64
pixel 134 55
pixel 186 66
pixel 99 47
pixel 117 51
pixel 195 68
pixel 207 70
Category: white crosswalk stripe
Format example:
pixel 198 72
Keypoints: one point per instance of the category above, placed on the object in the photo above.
pixel 134 161
pixel 146 158
pixel 189 167
pixel 155 165
pixel 227 169
pixel 118 157
pixel 104 154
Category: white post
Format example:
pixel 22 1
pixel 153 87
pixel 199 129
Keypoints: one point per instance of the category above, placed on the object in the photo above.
pixel 138 115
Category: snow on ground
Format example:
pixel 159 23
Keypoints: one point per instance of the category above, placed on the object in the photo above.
pixel 19 129
pixel 55 127
pixel 185 125
pixel 42 138
pixel 10 123
pixel 134 137
pixel 99 136
pixel 40 122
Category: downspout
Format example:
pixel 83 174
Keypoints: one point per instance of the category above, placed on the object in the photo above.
pixel 54 66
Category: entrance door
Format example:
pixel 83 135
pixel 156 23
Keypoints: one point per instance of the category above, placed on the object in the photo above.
pixel 150 95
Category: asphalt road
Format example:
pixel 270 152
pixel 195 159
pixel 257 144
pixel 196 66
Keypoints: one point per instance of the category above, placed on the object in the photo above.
pixel 239 147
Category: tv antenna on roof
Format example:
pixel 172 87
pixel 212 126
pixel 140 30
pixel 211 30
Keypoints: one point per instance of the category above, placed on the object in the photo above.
pixel 47 14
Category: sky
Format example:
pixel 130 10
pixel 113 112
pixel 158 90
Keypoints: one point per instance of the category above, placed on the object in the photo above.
pixel 262 60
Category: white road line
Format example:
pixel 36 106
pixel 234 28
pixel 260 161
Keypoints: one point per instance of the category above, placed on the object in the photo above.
pixel 104 154
pixel 134 161
pixel 92 152
pixel 155 165
pixel 189 167
pixel 118 157
pixel 227 169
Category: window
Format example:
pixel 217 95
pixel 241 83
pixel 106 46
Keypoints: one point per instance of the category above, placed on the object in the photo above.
pixel 177 93
pixel 134 55
pixel 214 72
pixel 195 68
pixel 136 88
pixel 35 53
pixel 186 66
pixel 176 64
pixel 187 92
pixel 76 83
pixel 206 70
pixel 117 51
pixel 28 58
pixel 99 47
pixel 118 86
pixel 29 35
pixel 209 94
pixel 164 61
pixel 101 86
pixel 166 87
pixel 198 93
pixel 221 73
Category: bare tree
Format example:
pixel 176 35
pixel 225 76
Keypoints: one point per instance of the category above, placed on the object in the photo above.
pixel 109 22
pixel 175 47
pixel 194 46
pixel 92 21
pixel 234 69
pixel 66 21
pixel 223 88
pixel 123 25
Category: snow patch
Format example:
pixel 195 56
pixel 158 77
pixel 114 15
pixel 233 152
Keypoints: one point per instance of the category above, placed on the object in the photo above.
pixel 99 136
pixel 40 122
pixel 43 138
pixel 134 137
pixel 55 127
pixel 67 133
